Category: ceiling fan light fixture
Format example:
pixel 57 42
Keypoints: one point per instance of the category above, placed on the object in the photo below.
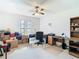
pixel 42 9
pixel 36 7
pixel 42 13
pixel 38 10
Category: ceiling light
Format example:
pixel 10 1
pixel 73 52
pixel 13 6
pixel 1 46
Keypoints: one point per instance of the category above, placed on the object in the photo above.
pixel 38 10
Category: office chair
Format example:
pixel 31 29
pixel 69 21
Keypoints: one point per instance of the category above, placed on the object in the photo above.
pixel 39 36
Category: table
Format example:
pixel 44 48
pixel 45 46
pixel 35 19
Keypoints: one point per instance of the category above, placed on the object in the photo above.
pixel 53 39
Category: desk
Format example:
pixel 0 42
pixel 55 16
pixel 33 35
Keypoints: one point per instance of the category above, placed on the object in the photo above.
pixel 53 39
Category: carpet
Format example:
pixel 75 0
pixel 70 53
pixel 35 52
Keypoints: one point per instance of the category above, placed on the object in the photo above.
pixel 37 53
pixel 31 53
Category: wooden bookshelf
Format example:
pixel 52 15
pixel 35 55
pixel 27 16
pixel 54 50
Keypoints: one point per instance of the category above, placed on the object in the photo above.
pixel 74 46
pixel 74 33
pixel 75 39
pixel 76 54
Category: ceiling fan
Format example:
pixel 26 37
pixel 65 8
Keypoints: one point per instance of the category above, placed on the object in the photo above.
pixel 38 10
pixel 37 6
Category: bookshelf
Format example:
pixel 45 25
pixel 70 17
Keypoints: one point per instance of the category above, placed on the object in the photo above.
pixel 74 33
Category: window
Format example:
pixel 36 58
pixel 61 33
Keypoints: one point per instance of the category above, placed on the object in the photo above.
pixel 25 26
pixel 28 25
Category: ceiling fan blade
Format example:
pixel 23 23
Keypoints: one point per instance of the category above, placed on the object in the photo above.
pixel 42 13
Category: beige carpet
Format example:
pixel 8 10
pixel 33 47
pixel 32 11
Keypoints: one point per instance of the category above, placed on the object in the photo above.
pixel 39 52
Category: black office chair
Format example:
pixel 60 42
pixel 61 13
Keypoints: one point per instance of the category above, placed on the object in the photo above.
pixel 39 36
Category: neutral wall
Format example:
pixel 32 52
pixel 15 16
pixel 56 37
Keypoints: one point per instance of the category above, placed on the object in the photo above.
pixel 60 22
pixel 12 21
pixel 8 21
pixel 11 13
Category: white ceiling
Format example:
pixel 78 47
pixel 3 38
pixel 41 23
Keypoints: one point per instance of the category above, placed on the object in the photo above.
pixel 51 5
